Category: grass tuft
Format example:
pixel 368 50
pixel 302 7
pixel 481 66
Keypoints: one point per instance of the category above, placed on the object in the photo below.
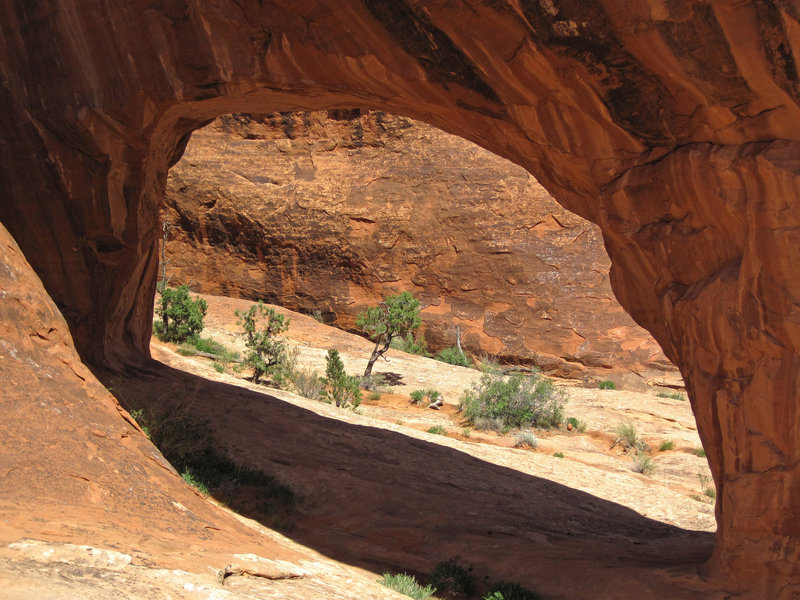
pixel 407 585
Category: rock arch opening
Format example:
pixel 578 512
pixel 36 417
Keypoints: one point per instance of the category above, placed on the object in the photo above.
pixel 332 211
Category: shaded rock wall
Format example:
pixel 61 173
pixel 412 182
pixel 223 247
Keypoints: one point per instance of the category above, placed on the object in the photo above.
pixel 596 99
pixel 332 214
pixel 75 466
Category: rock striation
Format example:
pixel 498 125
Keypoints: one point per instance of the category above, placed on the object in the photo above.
pixel 331 212
pixel 674 125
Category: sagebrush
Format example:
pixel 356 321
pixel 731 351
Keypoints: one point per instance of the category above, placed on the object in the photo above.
pixel 517 401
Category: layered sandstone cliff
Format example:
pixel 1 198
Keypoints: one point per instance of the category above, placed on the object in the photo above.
pixel 331 212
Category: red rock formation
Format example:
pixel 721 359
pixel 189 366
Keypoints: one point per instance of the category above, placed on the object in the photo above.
pixel 673 125
pixel 75 467
pixel 334 213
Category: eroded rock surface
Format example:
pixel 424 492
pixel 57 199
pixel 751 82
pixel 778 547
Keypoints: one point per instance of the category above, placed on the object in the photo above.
pixel 333 212
pixel 597 99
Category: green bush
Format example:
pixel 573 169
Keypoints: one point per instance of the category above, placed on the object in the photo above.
pixel 181 317
pixel 454 356
pixel 425 397
pixel 558 454
pixel 666 445
pixel 438 430
pixel 411 344
pixel 701 452
pixel 511 591
pixel 343 390
pixel 451 579
pixel 266 352
pixel 607 385
pixel 407 585
pixel 518 401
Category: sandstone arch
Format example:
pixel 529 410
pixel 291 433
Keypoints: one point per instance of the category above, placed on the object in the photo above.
pixel 674 125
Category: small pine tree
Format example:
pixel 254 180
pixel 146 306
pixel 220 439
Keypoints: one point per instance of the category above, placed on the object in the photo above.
pixel 342 389
pixel 181 316
pixel 266 353
pixel 397 316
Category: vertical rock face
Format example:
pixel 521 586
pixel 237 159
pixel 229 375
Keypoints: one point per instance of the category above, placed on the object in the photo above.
pixel 333 212
pixel 673 125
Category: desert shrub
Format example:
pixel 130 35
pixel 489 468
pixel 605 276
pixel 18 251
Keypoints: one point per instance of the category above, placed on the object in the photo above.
pixel 407 585
pixel 181 317
pixel 454 356
pixel 558 454
pixel 209 346
pixel 489 364
pixel 628 438
pixel 317 316
pixel 343 390
pixel 509 590
pixel 375 382
pixel 672 395
pixel 266 352
pixel 466 432
pixel 452 580
pixel 607 385
pixel 411 344
pixel 375 396
pixel 577 424
pixel 707 486
pixel 218 367
pixel 526 439
pixel 307 383
pixel 425 397
pixel 642 463
pixel 517 401
pixel 438 430
pixel 701 452
pixel 666 445
pixel 397 316
pixel 488 424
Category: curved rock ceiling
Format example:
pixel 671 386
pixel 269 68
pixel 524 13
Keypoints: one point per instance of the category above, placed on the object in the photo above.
pixel 674 125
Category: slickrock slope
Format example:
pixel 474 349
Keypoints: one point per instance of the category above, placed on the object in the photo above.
pixel 312 211
pixel 675 126
pixel 88 506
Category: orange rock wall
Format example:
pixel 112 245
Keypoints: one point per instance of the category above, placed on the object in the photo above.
pixel 332 214
pixel 597 99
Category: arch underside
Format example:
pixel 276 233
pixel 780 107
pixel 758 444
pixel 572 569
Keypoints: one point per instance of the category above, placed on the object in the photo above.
pixel 674 127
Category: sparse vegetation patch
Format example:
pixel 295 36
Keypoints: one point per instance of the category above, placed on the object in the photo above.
pixel 454 356
pixel 508 590
pixel 451 580
pixel 517 401
pixel 407 585
pixel 607 385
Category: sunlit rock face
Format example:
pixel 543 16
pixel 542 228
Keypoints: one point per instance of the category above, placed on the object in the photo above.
pixel 672 125
pixel 332 212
